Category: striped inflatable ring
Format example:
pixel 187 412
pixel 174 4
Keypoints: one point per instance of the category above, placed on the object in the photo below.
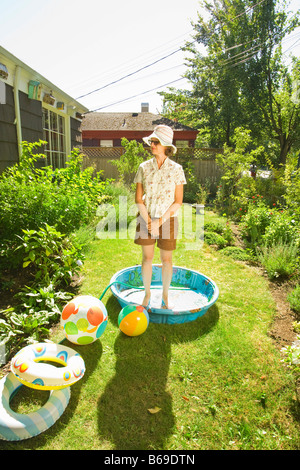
pixel 15 426
pixel 30 371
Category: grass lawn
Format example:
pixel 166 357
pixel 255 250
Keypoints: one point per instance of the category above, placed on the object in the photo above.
pixel 215 383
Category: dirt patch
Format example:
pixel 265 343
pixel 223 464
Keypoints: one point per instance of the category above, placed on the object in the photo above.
pixel 282 330
pixel 238 240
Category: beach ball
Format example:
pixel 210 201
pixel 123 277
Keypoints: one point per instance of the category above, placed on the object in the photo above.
pixel 133 320
pixel 84 319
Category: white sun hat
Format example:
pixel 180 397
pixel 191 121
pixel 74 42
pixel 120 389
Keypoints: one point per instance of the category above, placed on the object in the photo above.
pixel 164 134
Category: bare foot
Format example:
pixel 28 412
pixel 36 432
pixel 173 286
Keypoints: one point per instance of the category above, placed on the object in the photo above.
pixel 146 300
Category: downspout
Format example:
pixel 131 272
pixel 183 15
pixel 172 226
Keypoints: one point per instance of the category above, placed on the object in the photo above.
pixel 17 109
pixel 70 110
pixel 68 136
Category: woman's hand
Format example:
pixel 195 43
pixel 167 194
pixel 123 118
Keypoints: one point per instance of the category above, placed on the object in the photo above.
pixel 153 228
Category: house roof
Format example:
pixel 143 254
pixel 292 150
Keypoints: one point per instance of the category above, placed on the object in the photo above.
pixel 37 76
pixel 143 121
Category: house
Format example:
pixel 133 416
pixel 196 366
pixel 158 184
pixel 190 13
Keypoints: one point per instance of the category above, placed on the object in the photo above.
pixel 33 108
pixel 108 129
pixel 102 134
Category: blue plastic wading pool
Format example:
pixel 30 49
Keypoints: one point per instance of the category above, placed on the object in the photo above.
pixel 191 293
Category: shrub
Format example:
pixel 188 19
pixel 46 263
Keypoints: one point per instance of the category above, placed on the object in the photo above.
pixel 242 196
pixel 36 206
pixel 270 189
pixel 281 227
pixel 217 227
pixel 234 163
pixel 51 255
pixel 30 320
pixel 255 222
pixel 29 197
pixel 236 253
pixel 292 185
pixel 131 159
pixel 279 259
pixel 294 299
pixel 213 238
pixel 192 186
pixel 50 259
pixel 222 229
pixel 292 359
pixel 119 208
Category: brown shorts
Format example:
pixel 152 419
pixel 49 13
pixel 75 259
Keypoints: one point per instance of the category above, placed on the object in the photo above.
pixel 167 234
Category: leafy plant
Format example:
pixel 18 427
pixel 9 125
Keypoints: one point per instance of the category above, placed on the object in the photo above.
pixel 130 160
pixel 217 227
pixel 50 254
pixel 260 97
pixel 27 325
pixel 233 163
pixel 17 329
pixel 282 227
pixel 120 208
pixel 212 238
pixel 29 196
pixel 42 300
pixel 292 359
pixel 222 229
pixel 26 171
pixel 192 186
pixel 255 222
pixel 296 326
pixel 294 299
pixel 292 186
pixel 76 180
pixel 279 259
pixel 36 310
pixel 202 194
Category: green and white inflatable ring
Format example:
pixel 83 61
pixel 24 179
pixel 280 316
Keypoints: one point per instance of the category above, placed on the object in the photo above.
pixel 15 426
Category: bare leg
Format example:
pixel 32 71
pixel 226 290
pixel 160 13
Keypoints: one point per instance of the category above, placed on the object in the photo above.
pixel 148 254
pixel 167 271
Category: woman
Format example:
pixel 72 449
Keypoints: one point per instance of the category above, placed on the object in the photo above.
pixel 159 194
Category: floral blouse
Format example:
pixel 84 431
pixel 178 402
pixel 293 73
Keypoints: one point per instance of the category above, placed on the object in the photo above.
pixel 159 184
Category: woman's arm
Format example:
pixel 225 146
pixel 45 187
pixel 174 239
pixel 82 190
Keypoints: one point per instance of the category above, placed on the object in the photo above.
pixel 139 192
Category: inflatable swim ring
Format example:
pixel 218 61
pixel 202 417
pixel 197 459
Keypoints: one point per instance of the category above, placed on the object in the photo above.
pixel 15 426
pixel 30 371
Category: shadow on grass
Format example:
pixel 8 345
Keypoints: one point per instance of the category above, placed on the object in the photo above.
pixel 139 384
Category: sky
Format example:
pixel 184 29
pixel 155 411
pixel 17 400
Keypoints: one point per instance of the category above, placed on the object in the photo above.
pixel 84 45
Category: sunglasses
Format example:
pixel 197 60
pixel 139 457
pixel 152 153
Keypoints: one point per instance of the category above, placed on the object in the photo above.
pixel 155 142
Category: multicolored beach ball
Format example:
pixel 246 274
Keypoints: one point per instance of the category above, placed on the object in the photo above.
pixel 133 320
pixel 84 319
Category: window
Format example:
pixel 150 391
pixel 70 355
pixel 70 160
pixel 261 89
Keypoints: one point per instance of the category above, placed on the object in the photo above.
pixel 182 144
pixel 106 143
pixel 2 93
pixel 54 135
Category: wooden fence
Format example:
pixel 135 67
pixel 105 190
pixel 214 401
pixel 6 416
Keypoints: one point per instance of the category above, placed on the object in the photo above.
pixel 204 161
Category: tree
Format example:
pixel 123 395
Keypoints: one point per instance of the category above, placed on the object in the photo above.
pixel 130 160
pixel 242 80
